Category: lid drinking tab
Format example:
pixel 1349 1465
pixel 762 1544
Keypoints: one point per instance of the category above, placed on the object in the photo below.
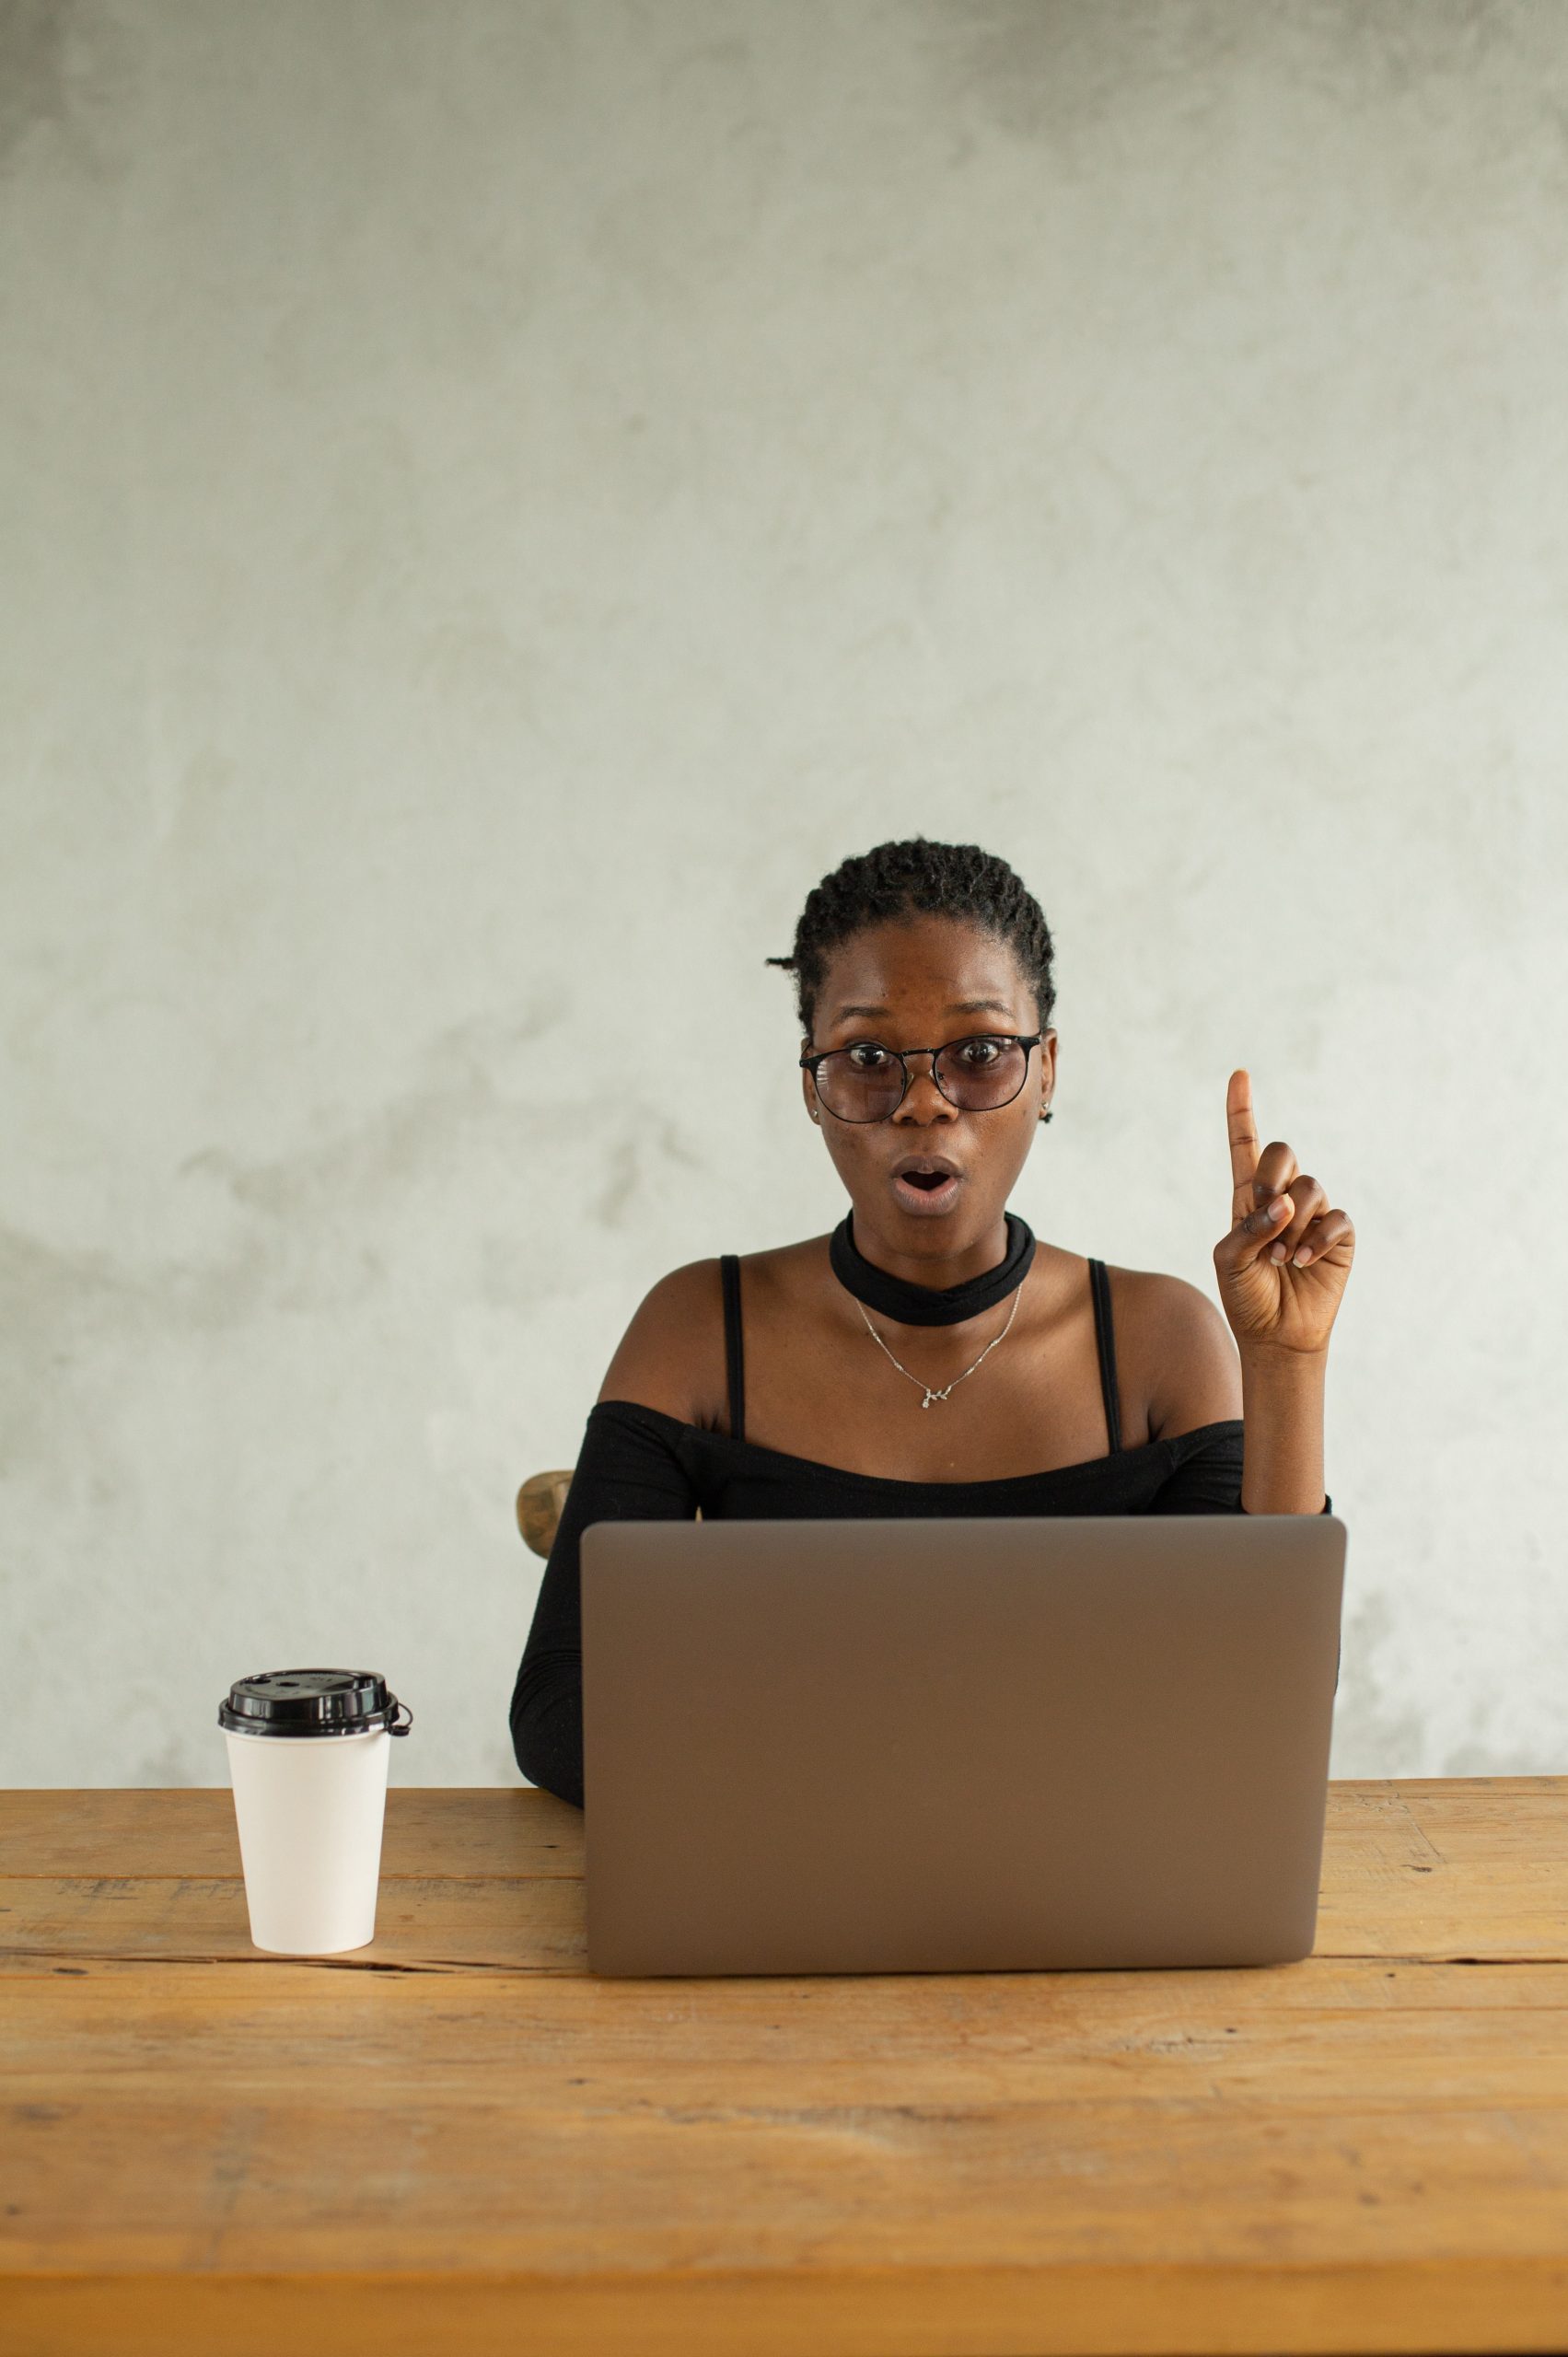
pixel 313 1702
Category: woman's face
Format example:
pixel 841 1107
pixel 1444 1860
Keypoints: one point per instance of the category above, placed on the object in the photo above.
pixel 921 981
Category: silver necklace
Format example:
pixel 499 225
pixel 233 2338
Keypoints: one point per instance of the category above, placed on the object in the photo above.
pixel 930 1394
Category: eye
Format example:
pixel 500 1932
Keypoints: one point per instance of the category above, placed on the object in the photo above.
pixel 980 1053
pixel 868 1055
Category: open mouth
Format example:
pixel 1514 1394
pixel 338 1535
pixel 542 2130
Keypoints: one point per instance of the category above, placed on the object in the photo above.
pixel 928 1184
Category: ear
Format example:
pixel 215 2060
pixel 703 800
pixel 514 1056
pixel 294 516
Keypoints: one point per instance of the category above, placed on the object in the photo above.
pixel 807 1086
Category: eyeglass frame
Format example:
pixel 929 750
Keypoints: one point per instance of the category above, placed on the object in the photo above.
pixel 1025 1039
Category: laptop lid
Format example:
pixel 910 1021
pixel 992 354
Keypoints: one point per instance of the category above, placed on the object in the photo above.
pixel 954 1745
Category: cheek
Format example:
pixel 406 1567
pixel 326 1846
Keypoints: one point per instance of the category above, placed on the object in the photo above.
pixel 852 1157
pixel 1020 1136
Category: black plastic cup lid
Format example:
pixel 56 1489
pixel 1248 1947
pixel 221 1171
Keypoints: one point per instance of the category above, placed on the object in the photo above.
pixel 313 1702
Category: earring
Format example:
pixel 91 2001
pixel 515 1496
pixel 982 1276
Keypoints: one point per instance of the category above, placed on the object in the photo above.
pixel 1045 1116
pixel 817 1119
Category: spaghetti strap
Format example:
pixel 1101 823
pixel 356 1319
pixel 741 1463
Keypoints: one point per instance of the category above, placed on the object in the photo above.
pixel 729 1272
pixel 1100 1285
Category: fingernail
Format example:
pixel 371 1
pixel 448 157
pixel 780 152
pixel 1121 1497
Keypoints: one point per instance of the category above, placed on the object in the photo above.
pixel 1304 1255
pixel 1276 1209
pixel 1277 1252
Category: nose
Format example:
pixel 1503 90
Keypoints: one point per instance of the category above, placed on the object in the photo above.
pixel 924 1101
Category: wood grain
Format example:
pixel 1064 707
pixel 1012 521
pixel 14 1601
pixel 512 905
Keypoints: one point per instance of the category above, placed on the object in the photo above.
pixel 460 2137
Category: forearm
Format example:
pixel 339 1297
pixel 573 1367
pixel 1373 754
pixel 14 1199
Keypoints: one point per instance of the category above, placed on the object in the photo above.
pixel 1281 1407
pixel 547 1724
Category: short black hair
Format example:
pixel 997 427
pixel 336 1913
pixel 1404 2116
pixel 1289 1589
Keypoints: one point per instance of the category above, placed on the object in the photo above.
pixel 918 878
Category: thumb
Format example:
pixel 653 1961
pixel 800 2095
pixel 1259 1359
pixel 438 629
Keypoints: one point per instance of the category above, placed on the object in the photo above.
pixel 1253 1234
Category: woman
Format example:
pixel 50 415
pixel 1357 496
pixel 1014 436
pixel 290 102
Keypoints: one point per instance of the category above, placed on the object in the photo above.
pixel 798 1382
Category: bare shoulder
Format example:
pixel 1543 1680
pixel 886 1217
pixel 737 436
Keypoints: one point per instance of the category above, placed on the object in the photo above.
pixel 671 1355
pixel 1175 1350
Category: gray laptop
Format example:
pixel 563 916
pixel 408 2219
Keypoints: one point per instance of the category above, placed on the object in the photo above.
pixel 944 1745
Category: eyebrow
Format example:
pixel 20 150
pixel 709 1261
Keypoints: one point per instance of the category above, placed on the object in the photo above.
pixel 959 1006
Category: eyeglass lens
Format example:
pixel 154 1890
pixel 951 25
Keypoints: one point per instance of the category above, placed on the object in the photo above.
pixel 866 1082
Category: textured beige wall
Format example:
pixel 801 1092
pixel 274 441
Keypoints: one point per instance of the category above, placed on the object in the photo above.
pixel 497 498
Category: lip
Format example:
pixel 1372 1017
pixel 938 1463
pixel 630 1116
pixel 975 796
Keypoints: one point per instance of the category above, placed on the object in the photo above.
pixel 926 1202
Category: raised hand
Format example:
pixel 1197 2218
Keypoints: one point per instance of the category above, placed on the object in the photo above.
pixel 1281 1276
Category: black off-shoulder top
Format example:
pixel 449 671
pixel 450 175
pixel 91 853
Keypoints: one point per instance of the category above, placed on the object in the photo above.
pixel 639 1465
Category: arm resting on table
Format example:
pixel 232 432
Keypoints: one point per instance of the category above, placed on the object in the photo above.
pixel 629 1470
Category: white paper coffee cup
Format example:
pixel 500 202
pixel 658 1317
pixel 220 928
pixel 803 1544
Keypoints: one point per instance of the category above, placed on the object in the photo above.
pixel 308 1758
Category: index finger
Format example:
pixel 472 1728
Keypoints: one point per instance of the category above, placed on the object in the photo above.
pixel 1243 1140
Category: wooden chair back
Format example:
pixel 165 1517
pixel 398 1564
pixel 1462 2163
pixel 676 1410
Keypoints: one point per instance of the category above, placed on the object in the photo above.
pixel 540 1502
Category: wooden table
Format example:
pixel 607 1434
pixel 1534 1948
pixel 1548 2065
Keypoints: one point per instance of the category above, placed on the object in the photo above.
pixel 457 2140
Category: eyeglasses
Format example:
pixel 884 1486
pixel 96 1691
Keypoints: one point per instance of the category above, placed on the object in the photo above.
pixel 869 1083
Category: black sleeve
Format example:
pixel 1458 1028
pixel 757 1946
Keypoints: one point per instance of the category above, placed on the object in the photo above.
pixel 1209 1481
pixel 629 1469
pixel 1207 1478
